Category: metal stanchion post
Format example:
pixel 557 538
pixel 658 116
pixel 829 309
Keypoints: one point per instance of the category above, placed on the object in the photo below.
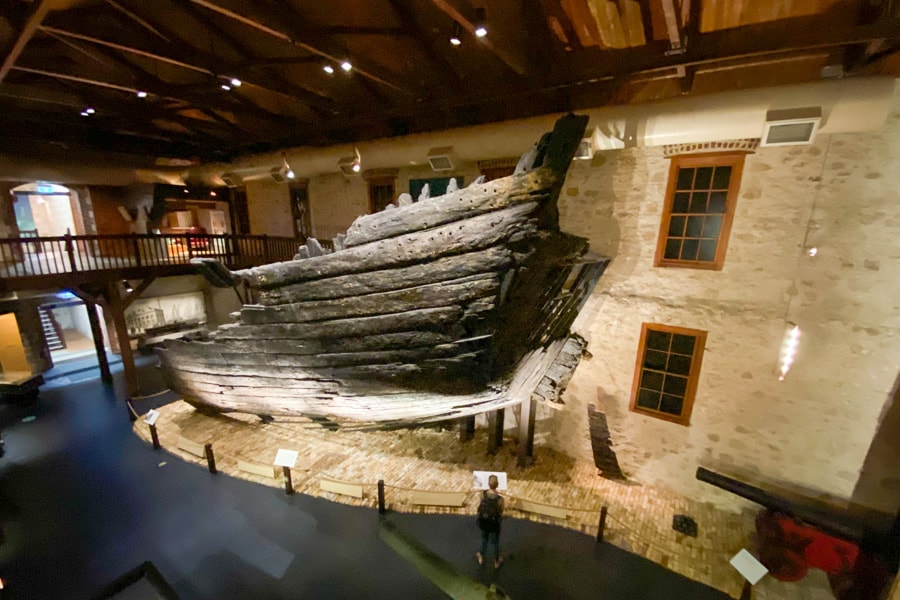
pixel 288 484
pixel 155 437
pixel 381 509
pixel 210 458
pixel 132 415
pixel 602 525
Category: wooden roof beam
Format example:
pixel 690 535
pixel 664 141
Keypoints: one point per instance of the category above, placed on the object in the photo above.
pixel 41 10
pixel 412 27
pixel 462 13
pixel 307 38
pixel 137 19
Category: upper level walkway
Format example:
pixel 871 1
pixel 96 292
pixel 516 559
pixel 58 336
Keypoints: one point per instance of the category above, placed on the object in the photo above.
pixel 46 262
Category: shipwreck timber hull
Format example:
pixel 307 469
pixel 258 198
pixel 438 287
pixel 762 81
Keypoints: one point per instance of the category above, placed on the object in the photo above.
pixel 438 309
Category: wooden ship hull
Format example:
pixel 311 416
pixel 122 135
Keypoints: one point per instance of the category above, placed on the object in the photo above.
pixel 433 310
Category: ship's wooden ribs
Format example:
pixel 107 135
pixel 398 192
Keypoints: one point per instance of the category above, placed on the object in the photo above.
pixel 559 373
pixel 459 291
pixel 460 237
pixel 431 319
pixel 442 269
pixel 455 206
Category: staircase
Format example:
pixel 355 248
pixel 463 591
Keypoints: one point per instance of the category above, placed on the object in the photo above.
pixel 52 332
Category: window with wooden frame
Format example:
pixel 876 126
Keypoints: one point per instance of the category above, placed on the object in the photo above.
pixel 382 191
pixel 666 372
pixel 699 209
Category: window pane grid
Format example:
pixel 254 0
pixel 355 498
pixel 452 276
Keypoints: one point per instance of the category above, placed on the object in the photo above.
pixel 698 207
pixel 665 372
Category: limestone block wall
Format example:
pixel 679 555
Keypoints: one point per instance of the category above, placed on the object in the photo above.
pixel 811 431
pixel 335 200
pixel 269 205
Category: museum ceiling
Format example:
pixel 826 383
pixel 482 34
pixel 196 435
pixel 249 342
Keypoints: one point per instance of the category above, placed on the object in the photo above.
pixel 205 80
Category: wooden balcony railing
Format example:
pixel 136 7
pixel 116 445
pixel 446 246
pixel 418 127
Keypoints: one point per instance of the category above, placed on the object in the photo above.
pixel 31 257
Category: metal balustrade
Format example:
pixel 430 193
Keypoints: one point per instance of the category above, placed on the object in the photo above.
pixel 41 257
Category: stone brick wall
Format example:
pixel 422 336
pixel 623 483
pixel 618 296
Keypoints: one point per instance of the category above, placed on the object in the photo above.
pixel 811 431
pixel 269 205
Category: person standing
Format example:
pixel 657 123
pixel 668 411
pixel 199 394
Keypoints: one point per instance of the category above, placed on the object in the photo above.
pixel 490 514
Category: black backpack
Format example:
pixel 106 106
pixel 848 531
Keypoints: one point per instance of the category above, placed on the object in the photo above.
pixel 489 511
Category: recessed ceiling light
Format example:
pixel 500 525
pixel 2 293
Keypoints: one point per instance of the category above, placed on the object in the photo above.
pixel 455 41
pixel 346 66
pixel 481 31
pixel 235 82
pixel 142 94
pixel 328 69
pixel 85 113
pixel 225 87
pixel 213 193
pixel 480 23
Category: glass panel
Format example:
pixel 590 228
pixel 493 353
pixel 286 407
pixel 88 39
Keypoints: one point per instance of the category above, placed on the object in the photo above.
pixel 703 179
pixel 712 227
pixel 717 203
pixel 654 359
pixel 698 202
pixel 658 340
pixel 648 399
pixel 651 380
pixel 689 249
pixel 671 405
pixel 676 386
pixel 685 179
pixel 679 364
pixel 708 250
pixel 722 178
pixel 694 227
pixel 681 202
pixel 683 344
pixel 676 227
pixel 673 249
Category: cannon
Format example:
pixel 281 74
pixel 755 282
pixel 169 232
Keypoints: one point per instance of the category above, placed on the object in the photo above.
pixel 794 535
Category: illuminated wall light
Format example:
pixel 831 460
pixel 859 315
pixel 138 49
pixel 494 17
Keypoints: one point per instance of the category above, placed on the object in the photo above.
pixel 328 69
pixel 142 94
pixel 288 171
pixel 357 160
pixel 480 23
pixel 346 66
pixel 788 350
pixel 456 36
pixel 813 251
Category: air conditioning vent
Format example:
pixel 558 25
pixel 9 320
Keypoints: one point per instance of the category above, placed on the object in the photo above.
pixel 230 179
pixel 585 150
pixel 440 159
pixel 791 127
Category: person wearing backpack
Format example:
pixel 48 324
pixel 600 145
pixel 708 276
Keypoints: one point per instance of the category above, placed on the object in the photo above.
pixel 490 513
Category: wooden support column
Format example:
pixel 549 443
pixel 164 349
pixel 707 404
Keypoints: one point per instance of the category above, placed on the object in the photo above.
pixel 116 306
pixel 466 428
pixel 495 430
pixel 526 433
pixel 99 346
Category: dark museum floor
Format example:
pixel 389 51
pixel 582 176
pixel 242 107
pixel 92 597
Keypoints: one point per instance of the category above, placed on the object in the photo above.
pixel 83 500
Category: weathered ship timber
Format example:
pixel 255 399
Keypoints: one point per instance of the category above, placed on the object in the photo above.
pixel 432 310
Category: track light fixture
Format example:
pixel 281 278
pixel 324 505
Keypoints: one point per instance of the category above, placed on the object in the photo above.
pixel 288 171
pixel 328 69
pixel 456 36
pixel 235 82
pixel 357 161
pixel 141 94
pixel 127 286
pixel 480 23
pixel 346 66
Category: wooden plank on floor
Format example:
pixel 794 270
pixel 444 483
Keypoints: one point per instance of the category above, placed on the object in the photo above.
pixel 256 468
pixel 455 499
pixel 541 509
pixel 341 487
pixel 191 447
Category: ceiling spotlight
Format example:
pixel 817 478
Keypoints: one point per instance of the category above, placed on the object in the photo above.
pixel 357 161
pixel 89 110
pixel 346 66
pixel 85 113
pixel 225 87
pixel 127 286
pixel 186 191
pixel 142 94
pixel 235 82
pixel 288 171
pixel 480 23
pixel 213 193
pixel 328 69
pixel 456 36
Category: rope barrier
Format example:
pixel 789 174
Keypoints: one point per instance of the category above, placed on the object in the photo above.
pixel 629 530
pixel 148 396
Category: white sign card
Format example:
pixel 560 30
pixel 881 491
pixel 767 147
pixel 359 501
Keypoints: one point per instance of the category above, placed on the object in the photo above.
pixel 480 479
pixel 747 565
pixel 286 458
pixel 151 417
